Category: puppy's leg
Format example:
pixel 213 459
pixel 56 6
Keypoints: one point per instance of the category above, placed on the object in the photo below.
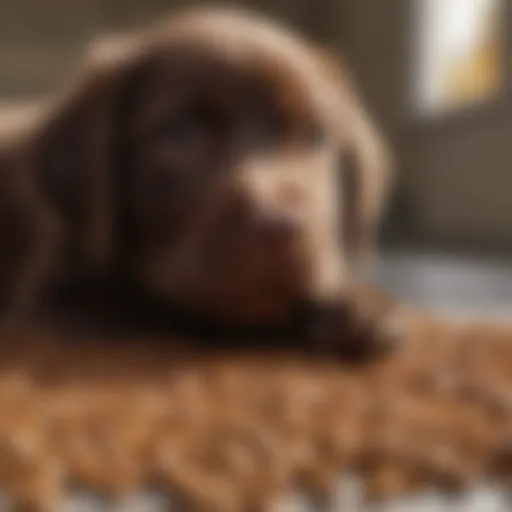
pixel 361 325
pixel 29 256
pixel 35 274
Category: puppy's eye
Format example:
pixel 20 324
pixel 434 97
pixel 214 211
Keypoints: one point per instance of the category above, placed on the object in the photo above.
pixel 183 131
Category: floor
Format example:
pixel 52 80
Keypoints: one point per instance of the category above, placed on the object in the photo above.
pixel 449 284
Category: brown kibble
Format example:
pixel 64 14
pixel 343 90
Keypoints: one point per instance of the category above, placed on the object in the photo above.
pixel 242 448
pixel 387 481
pixel 39 488
pixel 318 479
pixel 501 459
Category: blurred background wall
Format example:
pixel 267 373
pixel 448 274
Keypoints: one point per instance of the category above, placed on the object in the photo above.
pixel 454 157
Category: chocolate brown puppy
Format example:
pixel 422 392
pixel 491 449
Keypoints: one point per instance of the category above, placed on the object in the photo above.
pixel 201 159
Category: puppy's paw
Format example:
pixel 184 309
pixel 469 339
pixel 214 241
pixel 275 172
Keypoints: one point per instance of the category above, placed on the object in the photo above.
pixel 358 328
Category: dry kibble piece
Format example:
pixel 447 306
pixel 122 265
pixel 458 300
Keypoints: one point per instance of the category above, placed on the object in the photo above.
pixel 198 490
pixel 39 488
pixel 262 489
pixel 501 459
pixel 388 481
pixel 318 480
pixel 449 470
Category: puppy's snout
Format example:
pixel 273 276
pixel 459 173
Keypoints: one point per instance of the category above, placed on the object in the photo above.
pixel 269 224
pixel 276 226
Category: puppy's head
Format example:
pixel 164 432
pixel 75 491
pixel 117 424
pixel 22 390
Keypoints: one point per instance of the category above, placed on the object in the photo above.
pixel 202 159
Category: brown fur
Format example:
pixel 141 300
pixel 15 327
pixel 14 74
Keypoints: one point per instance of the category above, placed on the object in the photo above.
pixel 199 159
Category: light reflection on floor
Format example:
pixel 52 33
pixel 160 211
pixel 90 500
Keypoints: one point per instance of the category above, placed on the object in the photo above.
pixel 469 287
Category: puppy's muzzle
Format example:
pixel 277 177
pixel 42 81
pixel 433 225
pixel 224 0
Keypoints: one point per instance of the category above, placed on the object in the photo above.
pixel 271 228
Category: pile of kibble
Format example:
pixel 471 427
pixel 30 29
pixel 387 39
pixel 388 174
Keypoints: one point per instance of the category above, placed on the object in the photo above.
pixel 234 433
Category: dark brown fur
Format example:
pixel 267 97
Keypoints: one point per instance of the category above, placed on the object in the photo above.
pixel 200 160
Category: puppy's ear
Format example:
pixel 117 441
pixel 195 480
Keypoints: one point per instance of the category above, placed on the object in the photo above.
pixel 365 165
pixel 71 148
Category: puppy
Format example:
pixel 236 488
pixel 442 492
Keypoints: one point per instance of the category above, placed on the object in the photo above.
pixel 201 160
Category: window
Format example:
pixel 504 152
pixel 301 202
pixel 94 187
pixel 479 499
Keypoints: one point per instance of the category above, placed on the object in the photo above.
pixel 458 59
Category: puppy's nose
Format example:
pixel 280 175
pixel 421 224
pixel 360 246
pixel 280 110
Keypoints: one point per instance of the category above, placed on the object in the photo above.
pixel 276 226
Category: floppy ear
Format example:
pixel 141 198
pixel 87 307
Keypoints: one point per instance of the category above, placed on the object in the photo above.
pixel 365 164
pixel 71 149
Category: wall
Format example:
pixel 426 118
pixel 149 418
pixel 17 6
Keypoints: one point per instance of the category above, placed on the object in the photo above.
pixel 41 41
